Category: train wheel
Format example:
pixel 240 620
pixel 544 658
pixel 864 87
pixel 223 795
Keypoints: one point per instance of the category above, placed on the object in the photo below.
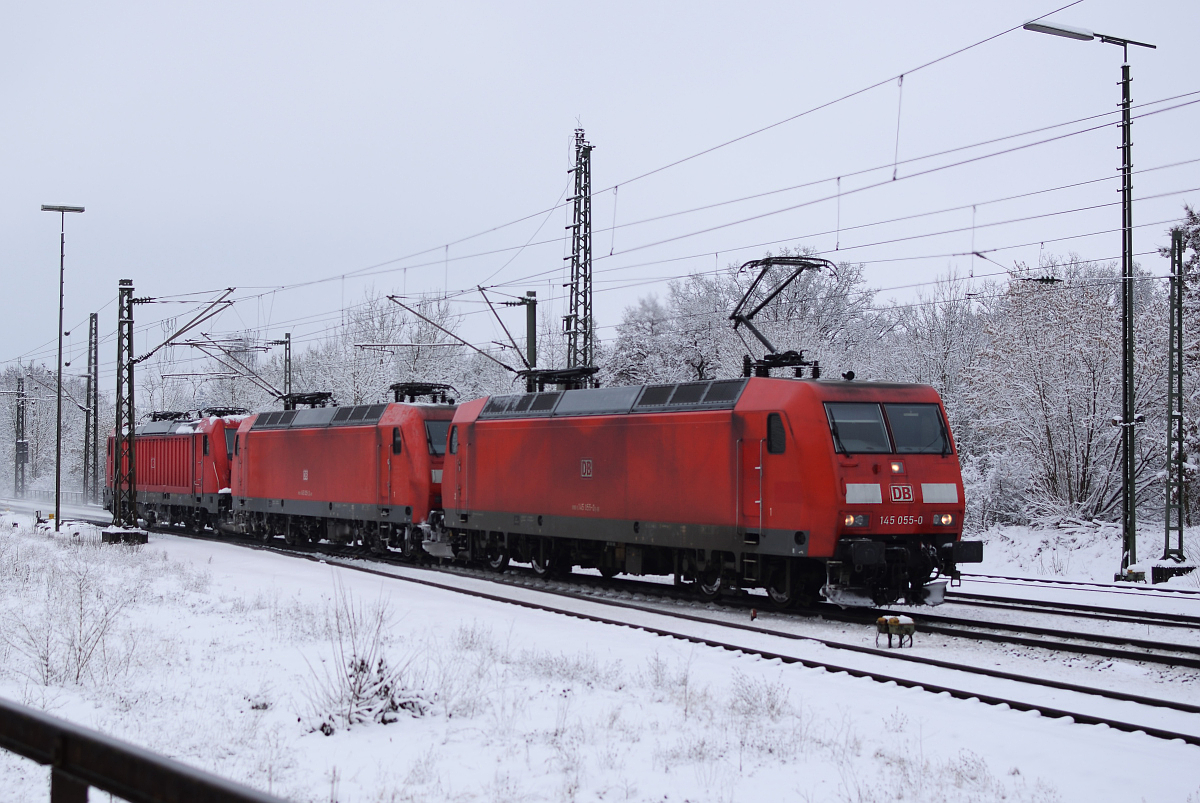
pixel 710 585
pixel 374 541
pixel 779 590
pixel 542 559
pixel 609 572
pixel 410 544
pixel 497 557
pixel 543 566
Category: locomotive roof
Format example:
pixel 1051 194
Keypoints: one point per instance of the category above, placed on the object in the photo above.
pixel 717 394
pixel 350 416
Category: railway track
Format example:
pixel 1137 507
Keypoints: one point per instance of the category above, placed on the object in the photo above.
pixel 1122 588
pixel 1149 705
pixel 1016 634
pixel 1083 696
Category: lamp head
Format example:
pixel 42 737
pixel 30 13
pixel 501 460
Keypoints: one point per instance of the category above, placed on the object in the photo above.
pixel 50 208
pixel 1069 31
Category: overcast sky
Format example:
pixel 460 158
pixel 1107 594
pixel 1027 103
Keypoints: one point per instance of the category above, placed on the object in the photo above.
pixel 261 145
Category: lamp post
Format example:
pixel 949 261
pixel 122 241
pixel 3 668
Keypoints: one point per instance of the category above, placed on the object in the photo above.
pixel 1128 418
pixel 62 254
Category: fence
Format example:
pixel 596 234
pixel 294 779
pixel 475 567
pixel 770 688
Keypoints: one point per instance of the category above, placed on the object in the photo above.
pixel 70 497
pixel 80 758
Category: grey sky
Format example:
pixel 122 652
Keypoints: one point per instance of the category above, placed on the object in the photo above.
pixel 263 144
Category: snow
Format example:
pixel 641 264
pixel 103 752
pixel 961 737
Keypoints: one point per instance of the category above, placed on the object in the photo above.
pixel 216 656
pixel 1090 553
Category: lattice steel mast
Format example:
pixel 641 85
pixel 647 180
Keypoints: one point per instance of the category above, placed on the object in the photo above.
pixel 124 466
pixel 578 324
pixel 20 445
pixel 91 415
pixel 1176 511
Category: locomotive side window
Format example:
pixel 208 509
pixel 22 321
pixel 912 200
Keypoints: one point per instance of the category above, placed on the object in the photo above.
pixel 230 436
pixel 857 428
pixel 237 441
pixel 918 428
pixel 453 440
pixel 776 435
pixel 397 444
pixel 435 433
pixel 206 446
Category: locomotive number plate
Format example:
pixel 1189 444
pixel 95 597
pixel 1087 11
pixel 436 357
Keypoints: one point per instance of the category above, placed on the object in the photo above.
pixel 902 493
pixel 886 520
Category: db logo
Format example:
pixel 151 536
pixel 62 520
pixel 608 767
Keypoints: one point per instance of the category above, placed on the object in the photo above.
pixel 585 469
pixel 902 493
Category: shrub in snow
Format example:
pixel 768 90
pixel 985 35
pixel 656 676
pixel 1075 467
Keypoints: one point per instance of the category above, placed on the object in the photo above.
pixel 62 605
pixel 358 683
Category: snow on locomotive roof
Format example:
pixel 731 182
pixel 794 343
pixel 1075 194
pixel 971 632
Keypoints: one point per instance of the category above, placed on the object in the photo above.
pixel 720 394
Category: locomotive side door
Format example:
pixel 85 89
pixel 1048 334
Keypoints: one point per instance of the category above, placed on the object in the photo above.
pixel 198 459
pixel 458 452
pixel 750 479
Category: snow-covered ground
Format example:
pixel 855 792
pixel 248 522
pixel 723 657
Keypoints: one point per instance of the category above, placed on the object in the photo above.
pixel 225 658
pixel 1090 553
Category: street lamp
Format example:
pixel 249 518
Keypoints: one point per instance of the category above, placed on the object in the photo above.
pixel 1128 419
pixel 62 254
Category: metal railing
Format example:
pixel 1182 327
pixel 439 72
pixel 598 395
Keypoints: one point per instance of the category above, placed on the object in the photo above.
pixel 80 758
pixel 70 497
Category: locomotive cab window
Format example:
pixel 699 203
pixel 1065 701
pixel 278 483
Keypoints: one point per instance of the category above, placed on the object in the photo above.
pixel 776 434
pixel 857 428
pixel 237 441
pixel 453 440
pixel 206 446
pixel 397 444
pixel 435 433
pixel 918 428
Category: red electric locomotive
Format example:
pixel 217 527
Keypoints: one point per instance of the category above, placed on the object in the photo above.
pixel 369 473
pixel 850 489
pixel 182 469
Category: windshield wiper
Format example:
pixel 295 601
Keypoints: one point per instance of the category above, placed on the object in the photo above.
pixel 945 436
pixel 837 438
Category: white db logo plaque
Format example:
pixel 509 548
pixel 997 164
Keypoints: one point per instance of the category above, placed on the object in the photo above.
pixel 902 493
pixel 585 469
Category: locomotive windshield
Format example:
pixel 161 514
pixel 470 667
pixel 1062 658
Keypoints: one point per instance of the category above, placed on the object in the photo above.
pixel 917 428
pixel 436 431
pixel 858 428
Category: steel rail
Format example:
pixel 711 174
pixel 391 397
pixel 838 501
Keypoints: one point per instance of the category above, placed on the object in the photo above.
pixel 962 694
pixel 1154 618
pixel 929 622
pixel 1124 588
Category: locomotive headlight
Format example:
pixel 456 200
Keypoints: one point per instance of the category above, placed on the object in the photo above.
pixel 944 519
pixel 856 520
pixel 897 466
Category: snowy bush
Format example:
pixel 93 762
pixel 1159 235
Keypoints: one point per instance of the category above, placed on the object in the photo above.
pixel 358 683
pixel 64 601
